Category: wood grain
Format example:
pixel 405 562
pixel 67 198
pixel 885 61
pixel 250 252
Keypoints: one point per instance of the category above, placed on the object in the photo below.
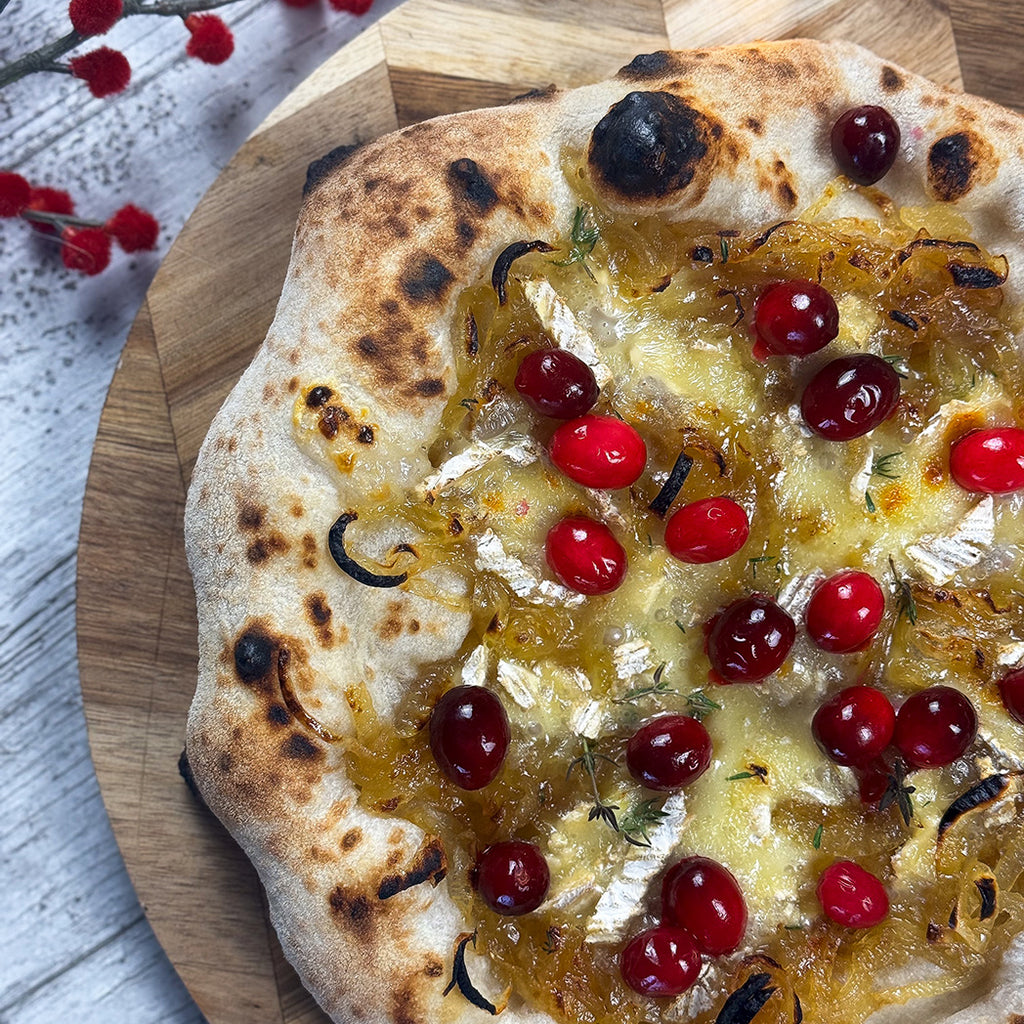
pixel 206 312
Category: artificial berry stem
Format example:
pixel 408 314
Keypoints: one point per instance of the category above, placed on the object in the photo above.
pixel 59 220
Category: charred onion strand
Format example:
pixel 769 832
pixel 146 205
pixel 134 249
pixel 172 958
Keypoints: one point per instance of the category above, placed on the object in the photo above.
pixel 986 886
pixel 460 978
pixel 904 318
pixel 292 702
pixel 672 486
pixel 746 1002
pixel 765 235
pixel 984 792
pixel 933 243
pixel 336 544
pixel 740 311
pixel 508 256
pixel 966 275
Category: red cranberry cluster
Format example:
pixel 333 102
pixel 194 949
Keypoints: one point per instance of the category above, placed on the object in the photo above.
pixel 702 912
pixel 84 244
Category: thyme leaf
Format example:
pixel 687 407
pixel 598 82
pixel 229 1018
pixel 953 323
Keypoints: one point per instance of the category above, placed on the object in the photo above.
pixel 763 560
pixel 899 364
pixel 741 775
pixel 638 820
pixel 818 833
pixel 897 791
pixel 584 237
pixel 588 762
pixel 724 246
pixel 907 605
pixel 680 626
pixel 882 466
pixel 700 705
pixel 869 502
pixel 659 686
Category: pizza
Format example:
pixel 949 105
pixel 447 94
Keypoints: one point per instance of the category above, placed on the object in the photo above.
pixel 608 569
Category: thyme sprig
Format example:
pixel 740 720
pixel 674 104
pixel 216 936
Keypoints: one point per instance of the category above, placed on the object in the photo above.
pixel 700 705
pixel 907 605
pixel 882 466
pixel 659 686
pixel 763 560
pixel 584 237
pixel 639 819
pixel 897 791
pixel 588 762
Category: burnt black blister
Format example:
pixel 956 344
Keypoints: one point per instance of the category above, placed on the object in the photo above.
pixel 648 145
pixel 649 65
pixel 951 166
pixel 425 279
pixel 318 396
pixel 468 182
pixel 319 169
pixel 966 275
pixel 254 654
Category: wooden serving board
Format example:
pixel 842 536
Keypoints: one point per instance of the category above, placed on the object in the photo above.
pixel 207 311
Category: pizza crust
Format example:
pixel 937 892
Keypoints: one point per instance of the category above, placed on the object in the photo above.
pixel 388 235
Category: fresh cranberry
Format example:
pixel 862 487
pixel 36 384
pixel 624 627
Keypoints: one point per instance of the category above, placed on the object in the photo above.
pixel 702 896
pixel 1011 689
pixel 795 318
pixel 512 877
pixel 585 555
pixel 669 752
pixel 599 451
pixel 989 460
pixel 707 530
pixel 850 396
pixel 661 961
pixel 855 726
pixel 556 383
pixel 851 896
pixel 845 611
pixel 749 639
pixel 934 727
pixel 865 141
pixel 872 780
pixel 469 735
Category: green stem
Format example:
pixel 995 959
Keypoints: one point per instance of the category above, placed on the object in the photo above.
pixel 172 8
pixel 59 220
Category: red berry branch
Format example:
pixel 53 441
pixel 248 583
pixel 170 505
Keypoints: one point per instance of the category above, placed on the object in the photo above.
pixel 85 245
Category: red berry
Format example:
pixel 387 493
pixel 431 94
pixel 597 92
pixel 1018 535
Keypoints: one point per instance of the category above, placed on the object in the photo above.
pixel 934 727
pixel 1011 689
pixel 48 200
pixel 851 896
pixel 356 7
pixel 133 229
pixel 556 383
pixel 749 639
pixel 94 17
pixel 15 194
pixel 989 460
pixel 512 877
pixel 795 318
pixel 865 141
pixel 707 530
pixel 585 555
pixel 669 752
pixel 855 726
pixel 469 735
pixel 599 451
pixel 702 896
pixel 105 71
pixel 661 961
pixel 85 249
pixel 845 611
pixel 211 40
pixel 850 397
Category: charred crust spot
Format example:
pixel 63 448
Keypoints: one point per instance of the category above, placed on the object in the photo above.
pixel 891 79
pixel 754 125
pixel 330 421
pixel 536 94
pixel 225 762
pixel 786 194
pixel 320 169
pixel 433 968
pixel 293 385
pixel 300 748
pixel 466 232
pixel 352 838
pixel 952 163
pixel 414 626
pixel 254 656
pixel 649 145
pixel 390 307
pixel 251 517
pixel 319 613
pixel 429 387
pixel 643 66
pixel 365 434
pixel 430 864
pixel 263 548
pixel 425 279
pixel 309 554
pixel 469 184
pixel 353 909
pixel 368 346
pixel 278 714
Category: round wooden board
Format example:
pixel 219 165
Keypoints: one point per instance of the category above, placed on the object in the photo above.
pixel 208 310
